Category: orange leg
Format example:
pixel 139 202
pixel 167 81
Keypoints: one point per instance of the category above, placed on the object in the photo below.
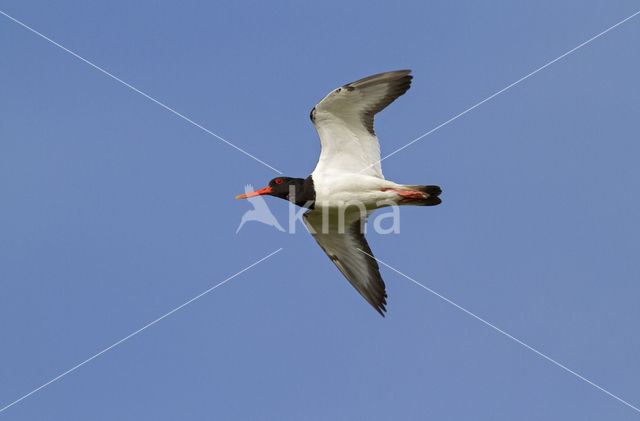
pixel 408 195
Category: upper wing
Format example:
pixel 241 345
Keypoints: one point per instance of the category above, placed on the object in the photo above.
pixel 346 249
pixel 344 121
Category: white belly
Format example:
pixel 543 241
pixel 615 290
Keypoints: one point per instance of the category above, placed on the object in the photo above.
pixel 339 190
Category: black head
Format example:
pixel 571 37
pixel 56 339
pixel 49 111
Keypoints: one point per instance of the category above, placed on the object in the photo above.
pixel 283 186
pixel 297 190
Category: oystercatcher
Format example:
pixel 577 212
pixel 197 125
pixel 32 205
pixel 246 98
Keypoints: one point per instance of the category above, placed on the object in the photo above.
pixel 347 183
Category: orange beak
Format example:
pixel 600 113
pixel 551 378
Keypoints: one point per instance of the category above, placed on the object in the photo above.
pixel 260 192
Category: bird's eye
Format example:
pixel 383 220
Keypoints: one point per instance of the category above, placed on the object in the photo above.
pixel 278 180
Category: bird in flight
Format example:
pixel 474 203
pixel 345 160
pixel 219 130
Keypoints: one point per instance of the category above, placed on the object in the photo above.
pixel 347 184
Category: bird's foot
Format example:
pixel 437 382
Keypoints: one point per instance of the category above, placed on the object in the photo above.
pixel 408 195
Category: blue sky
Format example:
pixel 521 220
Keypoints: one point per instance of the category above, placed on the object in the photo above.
pixel 115 211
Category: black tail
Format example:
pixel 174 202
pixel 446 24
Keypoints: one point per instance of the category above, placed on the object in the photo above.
pixel 432 193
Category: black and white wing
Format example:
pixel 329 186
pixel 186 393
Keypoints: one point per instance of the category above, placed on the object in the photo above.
pixel 344 121
pixel 350 252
